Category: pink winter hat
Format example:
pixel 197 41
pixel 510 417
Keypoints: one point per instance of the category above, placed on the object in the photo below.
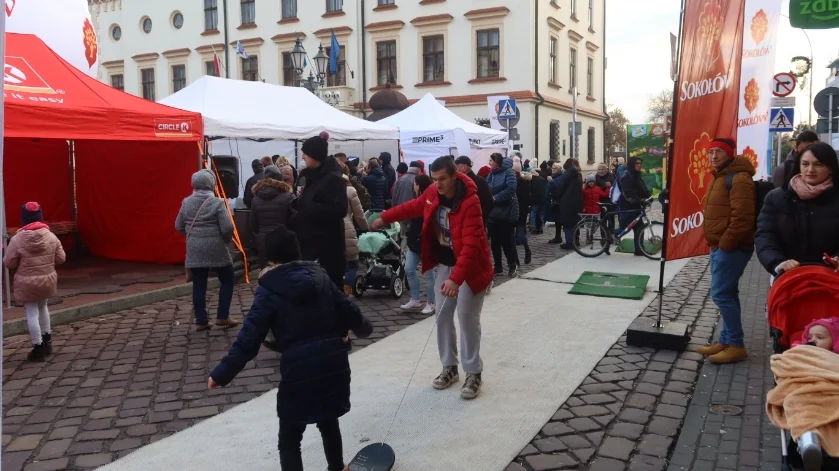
pixel 832 325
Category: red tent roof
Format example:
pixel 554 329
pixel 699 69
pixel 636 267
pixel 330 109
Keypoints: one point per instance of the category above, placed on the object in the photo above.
pixel 46 97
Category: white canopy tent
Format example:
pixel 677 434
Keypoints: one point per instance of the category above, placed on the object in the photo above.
pixel 428 130
pixel 256 110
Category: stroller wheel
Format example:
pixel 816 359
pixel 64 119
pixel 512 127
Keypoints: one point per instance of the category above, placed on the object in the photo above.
pixel 359 287
pixel 397 286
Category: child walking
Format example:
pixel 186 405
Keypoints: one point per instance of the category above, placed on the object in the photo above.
pixel 307 314
pixel 33 253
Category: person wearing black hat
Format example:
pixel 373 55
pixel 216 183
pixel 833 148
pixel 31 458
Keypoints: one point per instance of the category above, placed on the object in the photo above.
pixel 464 165
pixel 258 174
pixel 321 207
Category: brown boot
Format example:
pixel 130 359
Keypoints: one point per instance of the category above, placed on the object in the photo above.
pixel 729 355
pixel 203 327
pixel 226 323
pixel 347 290
pixel 709 350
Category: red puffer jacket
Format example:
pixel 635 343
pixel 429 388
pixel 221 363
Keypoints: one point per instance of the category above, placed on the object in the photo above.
pixel 591 198
pixel 469 238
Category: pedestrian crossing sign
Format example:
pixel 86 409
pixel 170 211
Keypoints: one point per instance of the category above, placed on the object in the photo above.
pixel 781 119
pixel 507 109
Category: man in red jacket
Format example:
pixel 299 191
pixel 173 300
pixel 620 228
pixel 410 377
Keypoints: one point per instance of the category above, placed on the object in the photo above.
pixel 453 240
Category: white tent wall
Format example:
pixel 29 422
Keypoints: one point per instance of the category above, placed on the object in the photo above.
pixel 364 150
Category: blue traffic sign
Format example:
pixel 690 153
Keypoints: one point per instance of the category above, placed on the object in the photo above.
pixel 781 119
pixel 507 109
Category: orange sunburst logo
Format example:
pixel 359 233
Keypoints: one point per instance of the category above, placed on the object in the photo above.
pixel 752 95
pixel 91 45
pixel 750 154
pixel 700 172
pixel 760 25
pixel 710 30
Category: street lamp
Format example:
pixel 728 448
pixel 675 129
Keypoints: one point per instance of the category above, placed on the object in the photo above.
pixel 317 73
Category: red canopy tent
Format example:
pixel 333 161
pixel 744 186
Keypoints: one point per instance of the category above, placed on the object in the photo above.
pixel 124 161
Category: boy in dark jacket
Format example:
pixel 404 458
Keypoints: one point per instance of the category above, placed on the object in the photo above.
pixel 307 314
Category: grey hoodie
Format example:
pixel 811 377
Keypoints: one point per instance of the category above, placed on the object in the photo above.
pixel 403 190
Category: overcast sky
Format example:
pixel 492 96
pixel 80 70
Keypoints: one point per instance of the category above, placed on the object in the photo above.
pixel 638 52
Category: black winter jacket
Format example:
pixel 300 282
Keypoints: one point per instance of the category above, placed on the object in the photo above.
pixel 633 189
pixel 321 208
pixel 271 207
pixel 304 310
pixel 567 195
pixel 524 193
pixel 791 229
pixel 484 194
pixel 538 188
pixel 248 197
pixel 376 184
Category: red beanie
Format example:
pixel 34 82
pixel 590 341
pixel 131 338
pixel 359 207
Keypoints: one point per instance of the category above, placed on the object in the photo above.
pixel 484 171
pixel 725 143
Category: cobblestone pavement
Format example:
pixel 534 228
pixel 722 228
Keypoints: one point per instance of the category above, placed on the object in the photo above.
pixel 747 441
pixel 122 381
pixel 628 412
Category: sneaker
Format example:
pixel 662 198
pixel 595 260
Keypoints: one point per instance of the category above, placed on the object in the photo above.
pixel 446 378
pixel 498 272
pixel 46 340
pixel 471 387
pixel 429 308
pixel 729 355
pixel 709 350
pixel 37 353
pixel 412 304
pixel 514 272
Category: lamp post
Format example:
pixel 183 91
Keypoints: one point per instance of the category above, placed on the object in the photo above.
pixel 317 73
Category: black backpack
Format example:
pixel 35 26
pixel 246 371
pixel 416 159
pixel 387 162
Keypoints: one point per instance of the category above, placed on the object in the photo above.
pixel 762 188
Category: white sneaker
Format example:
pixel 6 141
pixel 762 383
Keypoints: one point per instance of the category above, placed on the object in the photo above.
pixel 412 304
pixel 429 308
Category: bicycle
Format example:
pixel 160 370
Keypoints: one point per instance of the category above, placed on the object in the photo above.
pixel 595 234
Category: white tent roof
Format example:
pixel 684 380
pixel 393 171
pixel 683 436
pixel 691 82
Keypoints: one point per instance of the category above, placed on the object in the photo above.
pixel 428 115
pixel 238 108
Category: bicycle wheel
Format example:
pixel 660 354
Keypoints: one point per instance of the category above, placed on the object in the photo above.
pixel 591 238
pixel 650 240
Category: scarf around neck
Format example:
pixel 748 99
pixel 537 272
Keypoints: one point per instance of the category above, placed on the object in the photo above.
pixel 203 193
pixel 806 191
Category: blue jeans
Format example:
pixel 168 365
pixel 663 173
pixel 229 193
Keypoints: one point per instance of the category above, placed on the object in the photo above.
pixel 412 259
pixel 726 270
pixel 227 277
pixel 537 216
pixel 352 271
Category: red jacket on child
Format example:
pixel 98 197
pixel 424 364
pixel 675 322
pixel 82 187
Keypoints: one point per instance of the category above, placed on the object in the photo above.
pixel 591 198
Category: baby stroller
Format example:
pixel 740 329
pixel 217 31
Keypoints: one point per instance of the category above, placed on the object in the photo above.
pixel 797 298
pixel 382 254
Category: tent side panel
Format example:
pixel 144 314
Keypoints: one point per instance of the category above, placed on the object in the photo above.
pixel 129 194
pixel 37 170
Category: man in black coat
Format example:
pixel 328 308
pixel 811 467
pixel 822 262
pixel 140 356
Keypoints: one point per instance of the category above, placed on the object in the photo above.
pixel 567 194
pixel 464 165
pixel 377 185
pixel 258 174
pixel 633 193
pixel 538 190
pixel 321 208
pixel 387 168
pixel 783 173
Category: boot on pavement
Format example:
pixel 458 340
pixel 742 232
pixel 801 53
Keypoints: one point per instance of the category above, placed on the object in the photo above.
pixel 46 340
pixel 37 354
pixel 708 350
pixel 729 355
pixel 226 323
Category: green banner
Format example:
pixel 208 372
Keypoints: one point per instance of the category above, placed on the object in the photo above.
pixel 814 14
pixel 647 141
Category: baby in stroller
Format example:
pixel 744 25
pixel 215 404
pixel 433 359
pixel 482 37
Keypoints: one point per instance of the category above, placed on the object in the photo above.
pixel 806 397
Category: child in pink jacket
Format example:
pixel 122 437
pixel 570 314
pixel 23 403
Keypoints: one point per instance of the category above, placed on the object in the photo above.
pixel 33 253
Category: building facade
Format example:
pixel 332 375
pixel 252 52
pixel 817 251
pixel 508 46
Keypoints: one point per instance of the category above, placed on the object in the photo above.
pixel 461 51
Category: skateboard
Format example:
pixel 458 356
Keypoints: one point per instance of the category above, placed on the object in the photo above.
pixel 375 457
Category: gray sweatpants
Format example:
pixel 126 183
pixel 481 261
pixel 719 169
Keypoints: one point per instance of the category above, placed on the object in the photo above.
pixel 468 307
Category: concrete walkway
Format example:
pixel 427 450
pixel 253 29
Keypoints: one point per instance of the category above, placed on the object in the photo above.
pixel 549 347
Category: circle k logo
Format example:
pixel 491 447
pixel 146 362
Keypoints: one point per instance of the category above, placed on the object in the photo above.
pixel 13 75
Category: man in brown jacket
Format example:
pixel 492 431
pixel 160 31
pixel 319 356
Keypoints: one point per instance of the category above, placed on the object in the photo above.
pixel 730 232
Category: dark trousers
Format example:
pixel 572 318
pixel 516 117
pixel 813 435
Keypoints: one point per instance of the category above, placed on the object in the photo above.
pixel 291 434
pixel 227 277
pixel 568 230
pixel 626 219
pixel 501 236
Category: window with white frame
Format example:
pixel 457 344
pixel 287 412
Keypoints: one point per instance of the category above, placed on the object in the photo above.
pixel 250 68
pixel 590 14
pixel 118 82
pixel 178 77
pixel 386 62
pixel 289 8
pixel 147 78
pixel 572 68
pixel 489 54
pixel 290 77
pixel 339 78
pixel 248 12
pixel 210 68
pixel 552 60
pixel 433 57
pixel 574 8
pixel 210 15
pixel 334 5
pixel 386 2
pixel 590 77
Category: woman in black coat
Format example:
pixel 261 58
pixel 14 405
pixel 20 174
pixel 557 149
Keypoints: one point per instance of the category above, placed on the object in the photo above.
pixel 799 222
pixel 271 207
pixel 567 196
pixel 321 207
pixel 524 193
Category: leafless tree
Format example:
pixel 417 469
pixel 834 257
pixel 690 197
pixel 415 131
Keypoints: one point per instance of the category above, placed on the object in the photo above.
pixel 660 105
pixel 615 128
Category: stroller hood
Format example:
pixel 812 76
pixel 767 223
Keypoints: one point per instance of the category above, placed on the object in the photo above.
pixel 801 296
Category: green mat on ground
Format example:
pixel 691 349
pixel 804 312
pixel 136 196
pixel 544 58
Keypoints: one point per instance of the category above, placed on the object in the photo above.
pixel 611 285
pixel 627 245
